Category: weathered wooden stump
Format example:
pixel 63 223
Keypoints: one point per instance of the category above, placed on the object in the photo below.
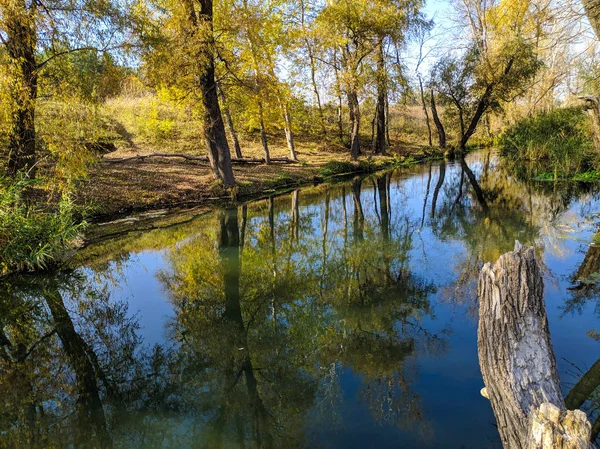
pixel 592 106
pixel 517 360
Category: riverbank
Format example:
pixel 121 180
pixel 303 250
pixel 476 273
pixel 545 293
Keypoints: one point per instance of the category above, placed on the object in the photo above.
pixel 116 189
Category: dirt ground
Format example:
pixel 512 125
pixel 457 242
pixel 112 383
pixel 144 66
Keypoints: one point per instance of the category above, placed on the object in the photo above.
pixel 125 187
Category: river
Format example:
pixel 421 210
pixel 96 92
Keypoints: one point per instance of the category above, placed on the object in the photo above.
pixel 337 316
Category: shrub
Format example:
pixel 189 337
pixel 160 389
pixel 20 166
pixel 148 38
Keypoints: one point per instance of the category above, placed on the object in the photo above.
pixel 31 238
pixel 559 140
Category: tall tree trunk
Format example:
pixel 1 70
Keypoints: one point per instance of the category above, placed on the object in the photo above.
pixel 313 78
pixel 425 110
pixel 380 140
pixel 289 133
pixel 229 123
pixel 482 106
pixel 517 360
pixel 214 129
pixel 387 120
pixel 355 121
pixel 340 115
pixel 21 47
pixel 438 123
pixel 263 132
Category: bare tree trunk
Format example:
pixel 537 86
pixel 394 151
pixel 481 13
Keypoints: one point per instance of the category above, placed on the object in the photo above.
pixel 214 129
pixel 229 123
pixel 517 360
pixel 339 92
pixel 482 106
pixel 263 133
pixel 21 47
pixel 355 120
pixel 313 78
pixel 289 134
pixel 380 141
pixel 592 106
pixel 425 110
pixel 387 121
pixel 438 123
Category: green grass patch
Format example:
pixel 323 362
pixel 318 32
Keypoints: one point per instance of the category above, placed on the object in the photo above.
pixel 337 168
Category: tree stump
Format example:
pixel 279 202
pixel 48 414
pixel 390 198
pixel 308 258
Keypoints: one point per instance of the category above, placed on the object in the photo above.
pixel 516 356
pixel 592 106
pixel 551 428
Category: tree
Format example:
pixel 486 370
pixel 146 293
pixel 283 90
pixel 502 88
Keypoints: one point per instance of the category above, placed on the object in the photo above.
pixel 180 54
pixel 32 35
pixel 453 79
pixel 438 123
pixel 495 69
pixel 357 30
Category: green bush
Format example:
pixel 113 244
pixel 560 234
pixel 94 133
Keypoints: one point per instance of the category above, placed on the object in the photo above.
pixel 31 238
pixel 558 141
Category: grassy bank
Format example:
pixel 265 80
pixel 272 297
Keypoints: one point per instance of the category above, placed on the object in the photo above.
pixel 550 146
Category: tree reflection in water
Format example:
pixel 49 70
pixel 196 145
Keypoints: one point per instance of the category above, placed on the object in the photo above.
pixel 274 303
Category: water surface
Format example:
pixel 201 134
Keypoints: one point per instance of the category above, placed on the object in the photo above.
pixel 339 316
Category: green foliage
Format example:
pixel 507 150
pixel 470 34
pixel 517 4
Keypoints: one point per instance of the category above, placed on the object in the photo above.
pixel 559 140
pixel 88 75
pixel 338 167
pixel 32 238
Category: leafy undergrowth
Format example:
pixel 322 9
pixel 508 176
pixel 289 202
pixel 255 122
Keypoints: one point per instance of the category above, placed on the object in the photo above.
pixel 31 237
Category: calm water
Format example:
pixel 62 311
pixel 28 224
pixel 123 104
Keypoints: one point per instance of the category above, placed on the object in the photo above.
pixel 340 316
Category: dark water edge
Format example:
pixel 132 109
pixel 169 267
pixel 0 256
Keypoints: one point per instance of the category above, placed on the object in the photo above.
pixel 338 316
